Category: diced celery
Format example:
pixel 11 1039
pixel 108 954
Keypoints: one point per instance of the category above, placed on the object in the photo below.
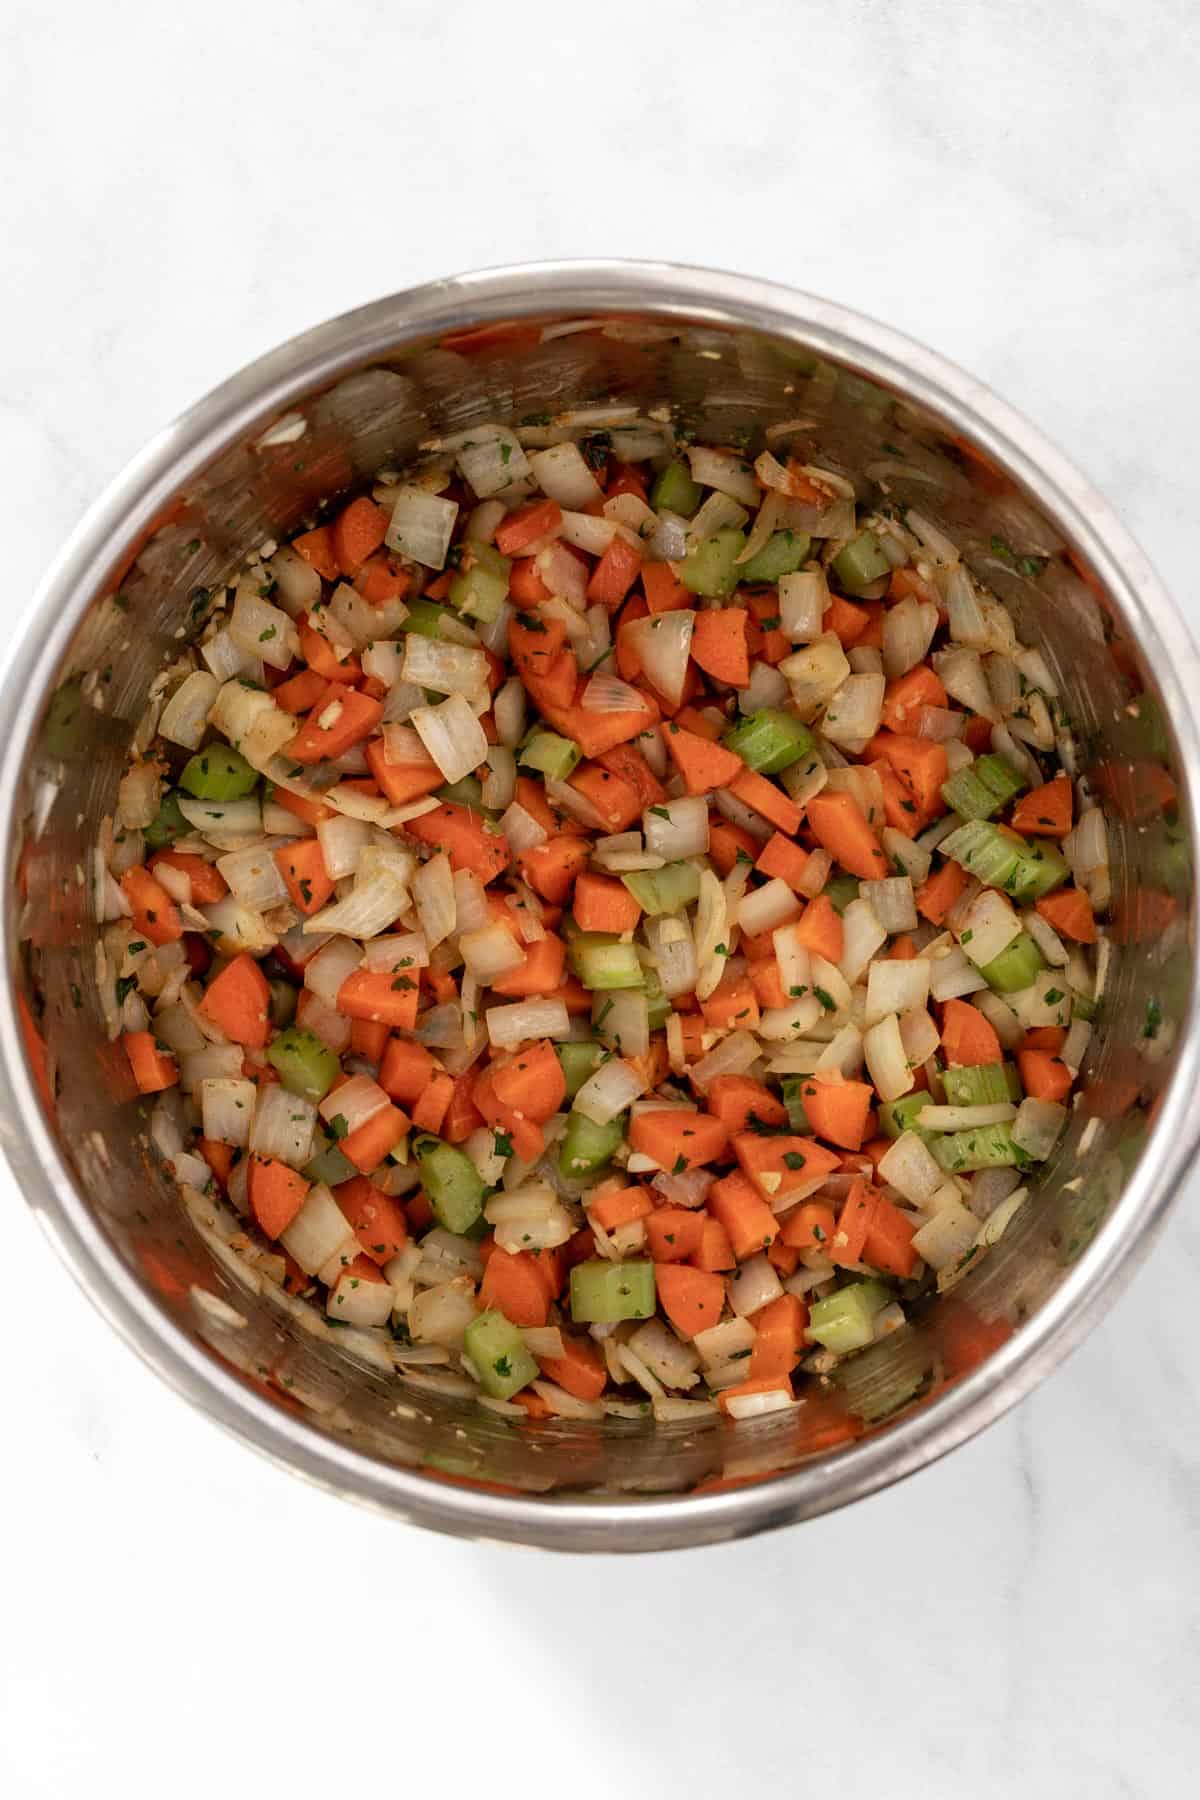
pixel 1017 965
pixel 770 740
pixel 861 562
pixel 983 850
pixel 845 1320
pixel 467 791
pixel 712 567
pixel 167 824
pixel 790 1087
pixel 969 796
pixel 425 618
pixel 782 554
pixel 840 890
pixel 998 774
pixel 587 1147
pixel 666 890
pixel 304 1064
pixel 65 726
pixel 675 491
pixel 1083 1008
pixel 984 1084
pixel 498 1355
pixel 898 1116
pixel 332 1166
pixel 481 589
pixel 283 1003
pixel 1040 869
pixel 604 962
pixel 218 773
pixel 982 1147
pixel 546 751
pixel 452 1183
pixel 578 1061
pixel 603 1293
pixel 658 1007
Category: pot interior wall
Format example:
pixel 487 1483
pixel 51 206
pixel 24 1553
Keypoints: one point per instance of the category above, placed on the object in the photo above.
pixel 725 386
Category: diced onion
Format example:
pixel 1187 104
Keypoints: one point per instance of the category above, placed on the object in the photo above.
pixel 896 986
pixel 253 877
pixel 491 952
pixel 682 833
pixel 734 1054
pixel 185 716
pixel 893 902
pixel 673 951
pixel 609 1091
pixel 508 1026
pixel 434 897
pixel 754 1284
pixel 138 795
pixel 624 1022
pixel 342 842
pixel 662 644
pixel 946 1237
pixel 521 830
pixel 815 673
pixel 283 1126
pixel 909 1167
pixel 562 473
pixel 1037 1127
pixel 331 966
pixel 319 1232
pixel 227 1108
pixel 883 1051
pixel 453 736
pixel 767 908
pixel 446 668
pixel 492 459
pixel 421 526
pixel 855 710
pixel 862 935
pixel 989 927
pixel 261 629
pixel 608 694
pixel 908 629
pixel 953 976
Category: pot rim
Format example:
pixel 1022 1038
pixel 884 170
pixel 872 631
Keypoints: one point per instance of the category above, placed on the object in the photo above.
pixel 253 397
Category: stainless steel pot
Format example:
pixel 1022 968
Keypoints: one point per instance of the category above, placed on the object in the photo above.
pixel 367 388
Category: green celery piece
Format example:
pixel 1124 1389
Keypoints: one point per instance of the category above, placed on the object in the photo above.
pixel 578 1061
pixel 861 562
pixel 782 554
pixel 332 1166
pixel 167 824
pixel 452 1183
pixel 552 755
pixel 499 1355
pixel 603 1293
pixel 601 961
pixel 1017 965
pixel 968 796
pixel 666 890
pixel 481 588
pixel 283 1002
pixel 1083 1008
pixel 658 1007
pixel 845 1320
pixel 712 567
pixel 790 1093
pixel 984 851
pixel 304 1064
pixel 984 1084
pixel 675 491
pixel 841 890
pixel 64 729
pixel 769 740
pixel 587 1148
pixel 1040 869
pixel 468 791
pixel 898 1116
pixel 982 1147
pixel 998 774
pixel 425 618
pixel 218 773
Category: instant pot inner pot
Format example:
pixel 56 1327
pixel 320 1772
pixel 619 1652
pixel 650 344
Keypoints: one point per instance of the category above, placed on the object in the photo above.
pixel 723 386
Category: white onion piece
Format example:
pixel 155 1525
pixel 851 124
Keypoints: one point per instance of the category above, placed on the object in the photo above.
pixel 767 908
pixel 815 673
pixel 185 716
pixel 893 902
pixel 989 927
pixel 508 1026
pixel 908 629
pixel 960 672
pixel 804 599
pixel 492 459
pixel 673 952
pixel 562 473
pixel 855 710
pixel 586 532
pixel 319 1232
pixel 784 1024
pixel 342 842
pixel 434 898
pixel 356 1101
pixel 766 687
pixel 1037 1127
pixel 421 526
pixel 441 1314
pixel 283 1126
pixel 862 935
pixel 608 1091
pixel 734 1054
pixel 909 1167
pixel 521 830
pixel 499 784
pixel 952 977
pixel 919 1035
pixel 965 1118
pixel 227 1108
pixel 623 1022
pixel 401 950
pixel 815 874
pixel 297 583
pixel 754 1284
pixel 945 1238
pixel 724 470
pixel 138 795
pixel 895 986
pixel 491 952
pixel 330 967
pixel 718 513
pixel 260 629
pixel 608 694
pixel 663 644
pixel 682 833
pixel 913 858
pixel 253 877
pixel 227 659
pixel 446 668
pixel 509 712
pixel 452 735
pixel 668 541
pixel 883 1052
pixel 1002 1019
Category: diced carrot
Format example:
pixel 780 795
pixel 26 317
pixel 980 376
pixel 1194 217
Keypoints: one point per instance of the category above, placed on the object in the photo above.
pixel 978 733
pixel 368 1039
pixel 906 583
pixel 677 1139
pixel 525 584
pixel 596 732
pixel 530 1080
pixel 406 1070
pixel 302 866
pixel 853 1223
pixel 316 547
pixel 838 1110
pixel 967 1037
pixel 764 1384
pixel 922 766
pixel 838 823
pixel 462 1115
pixel 500 335
pixel 367 1147
pixel 1045 1077
pixel 1045 1037
pixel 783 858
pixel 318 654
pixel 239 1001
pixel 903 948
pixel 783 1259
pixel 401 782
pixel 430 1110
pixel 207 882
pixel 540 973
pixel 466 839
pixel 552 867
pixel 768 983
pixel 742 1103
pixel 534 640
pixel 693 1299
pixel 819 929
pixel 778 1337
pixel 733 1005
pixel 579 1370
pixel 779 1165
pixel 387 997
pixel 358 531
pixel 379 580
pixel 155 914
pixel 629 763
pixel 275 1192
pixel 715 1252
pixel 154 1070
pixel 663 589
pixel 1045 811
pixel 719 645
pixel 299 692
pixel 703 765
pixel 376 1220
pixel 336 723
pixel 1070 913
pixel 617 1206
pixel 614 799
pixel 888 1244
pixel 514 1285
pixel 526 524
pixel 311 811
pixel 938 892
pixel 743 1214
pixel 846 621
pixel 811 1226
pixel 603 904
pixel 674 1234
pixel 726 843
pixel 762 796
pixel 904 697
pixel 614 574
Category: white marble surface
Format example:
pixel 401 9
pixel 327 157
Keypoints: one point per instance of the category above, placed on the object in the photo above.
pixel 181 187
